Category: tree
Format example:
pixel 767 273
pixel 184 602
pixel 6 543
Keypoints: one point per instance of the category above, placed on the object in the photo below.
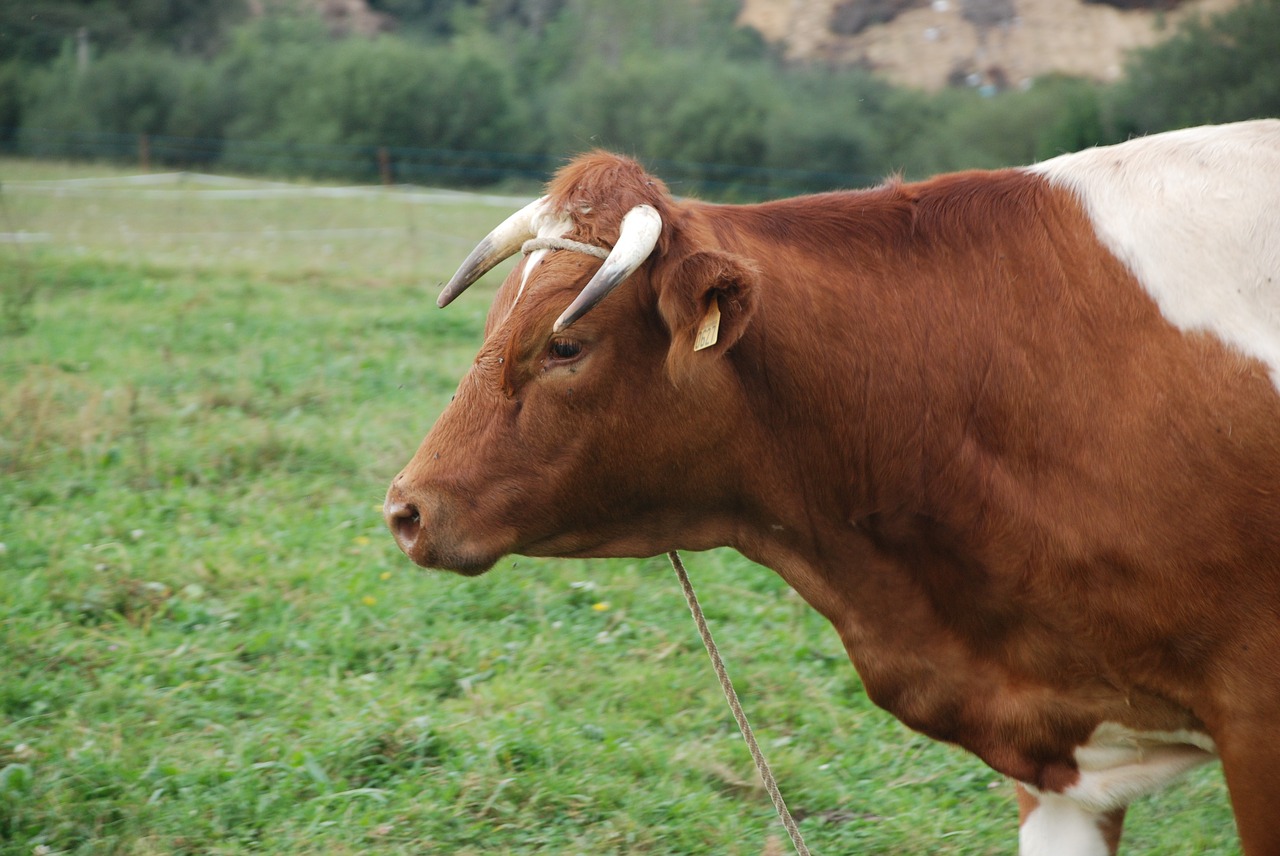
pixel 36 31
pixel 436 18
pixel 1221 70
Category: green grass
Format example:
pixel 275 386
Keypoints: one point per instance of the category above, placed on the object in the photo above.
pixel 210 644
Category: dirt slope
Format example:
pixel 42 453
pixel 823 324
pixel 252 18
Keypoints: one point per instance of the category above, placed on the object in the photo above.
pixel 938 42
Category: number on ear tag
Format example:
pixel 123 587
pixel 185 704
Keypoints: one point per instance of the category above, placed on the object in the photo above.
pixel 709 332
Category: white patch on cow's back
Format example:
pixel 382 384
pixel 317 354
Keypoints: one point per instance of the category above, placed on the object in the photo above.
pixel 1195 215
pixel 1060 827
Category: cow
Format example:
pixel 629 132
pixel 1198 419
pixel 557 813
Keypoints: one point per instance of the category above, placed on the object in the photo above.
pixel 1014 433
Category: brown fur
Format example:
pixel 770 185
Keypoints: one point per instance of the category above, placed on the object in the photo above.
pixel 945 414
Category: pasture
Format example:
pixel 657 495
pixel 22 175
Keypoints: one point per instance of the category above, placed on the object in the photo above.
pixel 210 644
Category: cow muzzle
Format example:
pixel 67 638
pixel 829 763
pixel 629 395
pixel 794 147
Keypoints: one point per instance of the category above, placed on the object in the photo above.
pixel 416 524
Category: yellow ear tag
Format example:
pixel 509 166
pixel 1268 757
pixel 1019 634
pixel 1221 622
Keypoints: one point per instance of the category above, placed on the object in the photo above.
pixel 709 332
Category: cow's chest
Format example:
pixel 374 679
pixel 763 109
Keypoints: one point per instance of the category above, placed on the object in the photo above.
pixel 1098 748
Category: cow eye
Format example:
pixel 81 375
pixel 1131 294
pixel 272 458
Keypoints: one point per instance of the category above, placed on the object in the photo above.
pixel 565 349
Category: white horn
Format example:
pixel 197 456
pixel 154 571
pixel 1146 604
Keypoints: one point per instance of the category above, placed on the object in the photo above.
pixel 639 235
pixel 498 246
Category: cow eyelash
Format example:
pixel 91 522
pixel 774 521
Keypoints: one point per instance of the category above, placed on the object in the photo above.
pixel 564 349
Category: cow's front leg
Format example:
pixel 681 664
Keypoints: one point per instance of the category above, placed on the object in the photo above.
pixel 1251 766
pixel 1055 825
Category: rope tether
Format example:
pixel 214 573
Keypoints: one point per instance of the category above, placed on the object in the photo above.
pixel 766 775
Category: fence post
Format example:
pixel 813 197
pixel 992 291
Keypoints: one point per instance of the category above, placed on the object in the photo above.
pixel 384 165
pixel 144 152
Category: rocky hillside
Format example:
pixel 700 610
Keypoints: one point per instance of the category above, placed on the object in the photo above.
pixel 343 16
pixel 930 44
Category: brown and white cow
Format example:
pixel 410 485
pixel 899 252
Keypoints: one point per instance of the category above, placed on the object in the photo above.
pixel 1016 434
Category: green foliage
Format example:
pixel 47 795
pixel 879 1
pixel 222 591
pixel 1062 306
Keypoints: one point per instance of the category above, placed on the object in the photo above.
pixel 1077 123
pixel 484 83
pixel 847 126
pixel 38 30
pixel 1055 115
pixel 683 107
pixel 428 17
pixel 12 79
pixel 17 295
pixel 448 18
pixel 386 91
pixel 586 36
pixel 1221 70
pixel 264 67
pixel 137 90
pixel 187 26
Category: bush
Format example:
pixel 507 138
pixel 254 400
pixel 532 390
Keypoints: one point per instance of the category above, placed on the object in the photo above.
pixel 12 77
pixel 679 107
pixel 294 85
pixel 138 91
pixel 1222 70
pixel 828 122
pixel 1057 114
pixel 503 88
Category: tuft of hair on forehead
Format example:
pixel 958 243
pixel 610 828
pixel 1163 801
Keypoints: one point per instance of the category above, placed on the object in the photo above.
pixel 598 188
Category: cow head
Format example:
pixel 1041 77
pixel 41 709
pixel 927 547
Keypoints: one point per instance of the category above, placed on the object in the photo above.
pixel 588 425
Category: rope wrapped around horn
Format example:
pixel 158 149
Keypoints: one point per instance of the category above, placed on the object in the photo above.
pixel 640 230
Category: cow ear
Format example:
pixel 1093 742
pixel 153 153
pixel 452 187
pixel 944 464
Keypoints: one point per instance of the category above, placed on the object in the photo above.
pixel 706 299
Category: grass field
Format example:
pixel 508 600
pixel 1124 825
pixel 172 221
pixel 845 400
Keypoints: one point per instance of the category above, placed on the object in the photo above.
pixel 210 644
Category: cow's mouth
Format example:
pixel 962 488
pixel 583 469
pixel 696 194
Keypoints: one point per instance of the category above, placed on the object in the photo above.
pixel 463 567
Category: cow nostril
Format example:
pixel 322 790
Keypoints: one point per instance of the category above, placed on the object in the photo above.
pixel 405 522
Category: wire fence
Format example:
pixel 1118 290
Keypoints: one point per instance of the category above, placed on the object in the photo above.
pixel 401 165
pixel 369 213
pixel 198 221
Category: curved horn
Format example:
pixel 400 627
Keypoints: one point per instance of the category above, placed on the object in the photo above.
pixel 640 230
pixel 496 247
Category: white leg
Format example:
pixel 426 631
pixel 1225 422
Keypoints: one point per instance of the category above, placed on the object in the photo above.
pixel 1059 826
